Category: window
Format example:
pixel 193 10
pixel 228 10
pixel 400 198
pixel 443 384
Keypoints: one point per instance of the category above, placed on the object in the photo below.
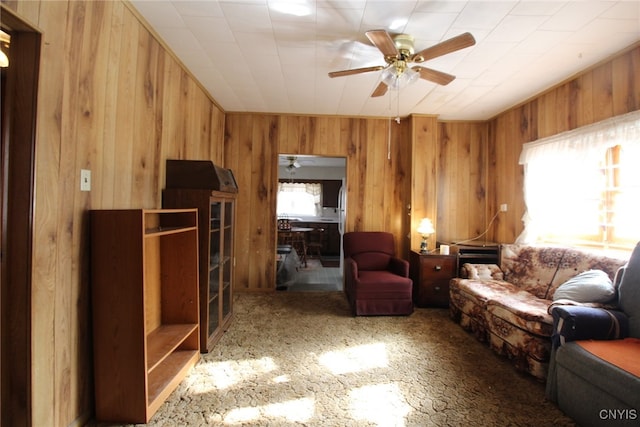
pixel 583 187
pixel 299 199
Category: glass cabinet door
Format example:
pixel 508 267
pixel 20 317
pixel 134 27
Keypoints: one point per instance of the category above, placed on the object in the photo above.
pixel 227 242
pixel 215 231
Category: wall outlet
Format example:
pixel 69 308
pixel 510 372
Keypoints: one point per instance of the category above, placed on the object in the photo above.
pixel 85 180
pixel 503 207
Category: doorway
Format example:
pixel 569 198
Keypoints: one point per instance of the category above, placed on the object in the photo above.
pixel 18 117
pixel 311 207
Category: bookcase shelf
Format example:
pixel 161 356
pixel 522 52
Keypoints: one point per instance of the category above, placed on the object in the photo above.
pixel 144 279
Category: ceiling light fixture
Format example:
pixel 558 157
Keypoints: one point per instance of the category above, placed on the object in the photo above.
pixel 397 76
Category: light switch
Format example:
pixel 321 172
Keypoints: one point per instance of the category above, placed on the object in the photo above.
pixel 85 180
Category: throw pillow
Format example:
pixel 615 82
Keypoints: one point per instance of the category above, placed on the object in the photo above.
pixel 589 286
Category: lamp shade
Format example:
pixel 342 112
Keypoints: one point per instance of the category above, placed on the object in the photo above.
pixel 426 227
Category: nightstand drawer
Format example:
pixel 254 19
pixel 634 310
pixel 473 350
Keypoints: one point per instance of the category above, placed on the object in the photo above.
pixel 436 294
pixel 434 268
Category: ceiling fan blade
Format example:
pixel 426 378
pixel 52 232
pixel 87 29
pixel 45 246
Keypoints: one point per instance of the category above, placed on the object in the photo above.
pixel 447 46
pixel 355 71
pixel 380 90
pixel 434 76
pixel 384 42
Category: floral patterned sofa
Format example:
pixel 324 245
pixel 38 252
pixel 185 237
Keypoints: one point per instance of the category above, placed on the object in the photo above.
pixel 508 305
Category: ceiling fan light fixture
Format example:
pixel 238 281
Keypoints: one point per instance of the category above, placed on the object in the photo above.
pixel 398 78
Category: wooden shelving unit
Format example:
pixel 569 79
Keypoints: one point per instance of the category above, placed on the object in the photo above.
pixel 144 285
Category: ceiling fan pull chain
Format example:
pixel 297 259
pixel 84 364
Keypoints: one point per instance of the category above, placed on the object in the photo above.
pixel 389 131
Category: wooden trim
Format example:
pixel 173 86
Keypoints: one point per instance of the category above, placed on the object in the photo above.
pixel 18 148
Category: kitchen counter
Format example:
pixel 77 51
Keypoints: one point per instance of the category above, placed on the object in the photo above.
pixel 314 219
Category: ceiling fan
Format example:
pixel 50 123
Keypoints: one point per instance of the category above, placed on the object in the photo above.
pixel 293 164
pixel 398 53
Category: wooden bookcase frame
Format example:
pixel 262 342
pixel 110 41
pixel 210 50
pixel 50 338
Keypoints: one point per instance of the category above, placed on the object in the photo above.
pixel 144 274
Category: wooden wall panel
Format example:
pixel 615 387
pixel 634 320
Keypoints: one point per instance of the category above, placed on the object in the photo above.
pixel 374 182
pixel 424 175
pixel 461 180
pixel 111 99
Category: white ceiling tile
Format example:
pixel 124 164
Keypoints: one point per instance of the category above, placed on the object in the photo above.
pixel 575 15
pixel 515 28
pixel 429 28
pixel 482 15
pixel 380 14
pixel 180 39
pixel 341 4
pixel 625 10
pixel 252 44
pixel 339 23
pixel 439 7
pixel 247 17
pixel 208 29
pixel 198 8
pixel 292 10
pixel 159 14
pixel 538 8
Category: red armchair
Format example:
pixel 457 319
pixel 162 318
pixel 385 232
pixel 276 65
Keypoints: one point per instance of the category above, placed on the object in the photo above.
pixel 376 282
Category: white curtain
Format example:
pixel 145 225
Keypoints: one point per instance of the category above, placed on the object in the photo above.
pixel 563 177
pixel 299 198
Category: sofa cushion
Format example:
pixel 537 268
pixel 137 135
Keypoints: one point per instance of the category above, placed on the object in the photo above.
pixel 523 310
pixel 576 261
pixel 624 353
pixel 530 268
pixel 383 285
pixel 372 260
pixel 480 291
pixel 588 286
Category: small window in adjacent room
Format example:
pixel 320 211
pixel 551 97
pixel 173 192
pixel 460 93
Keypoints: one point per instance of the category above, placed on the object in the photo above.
pixel 303 199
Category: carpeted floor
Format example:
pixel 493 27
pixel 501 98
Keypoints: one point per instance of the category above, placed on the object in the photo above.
pixel 301 359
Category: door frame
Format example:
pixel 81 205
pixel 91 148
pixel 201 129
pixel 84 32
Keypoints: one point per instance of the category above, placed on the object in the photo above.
pixel 18 172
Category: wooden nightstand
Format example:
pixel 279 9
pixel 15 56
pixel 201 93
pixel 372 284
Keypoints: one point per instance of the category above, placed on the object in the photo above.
pixel 431 275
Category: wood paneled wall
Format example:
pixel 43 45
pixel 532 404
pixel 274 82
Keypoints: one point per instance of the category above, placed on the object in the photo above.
pixel 111 100
pixel 376 184
pixel 610 89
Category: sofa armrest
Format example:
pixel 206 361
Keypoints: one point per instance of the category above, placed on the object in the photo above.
pixel 399 266
pixel 481 271
pixel 571 323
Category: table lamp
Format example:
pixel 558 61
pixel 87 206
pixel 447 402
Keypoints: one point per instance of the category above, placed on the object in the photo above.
pixel 425 229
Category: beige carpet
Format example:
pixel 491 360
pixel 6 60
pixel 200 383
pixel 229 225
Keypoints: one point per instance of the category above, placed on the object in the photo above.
pixel 301 359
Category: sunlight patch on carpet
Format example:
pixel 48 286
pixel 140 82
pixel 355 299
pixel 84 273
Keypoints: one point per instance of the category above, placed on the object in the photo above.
pixel 355 359
pixel 223 375
pixel 297 410
pixel 381 404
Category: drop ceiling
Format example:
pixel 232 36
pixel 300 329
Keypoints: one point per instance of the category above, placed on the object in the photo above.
pixel 273 56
